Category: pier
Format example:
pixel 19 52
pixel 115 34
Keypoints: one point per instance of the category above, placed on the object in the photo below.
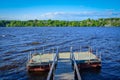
pixel 66 65
pixel 64 69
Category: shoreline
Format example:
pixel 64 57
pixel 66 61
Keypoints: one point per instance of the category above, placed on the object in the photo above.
pixel 102 22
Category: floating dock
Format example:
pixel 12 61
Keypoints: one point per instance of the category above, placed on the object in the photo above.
pixel 65 65
pixel 40 62
pixel 87 60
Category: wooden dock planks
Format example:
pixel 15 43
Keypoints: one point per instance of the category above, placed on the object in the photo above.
pixel 84 56
pixel 43 57
pixel 64 69
pixel 78 56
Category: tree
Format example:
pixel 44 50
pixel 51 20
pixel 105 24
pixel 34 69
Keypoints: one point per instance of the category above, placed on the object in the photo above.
pixel 58 23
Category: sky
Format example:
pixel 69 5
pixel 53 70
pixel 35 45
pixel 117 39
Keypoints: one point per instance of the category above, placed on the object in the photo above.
pixel 58 9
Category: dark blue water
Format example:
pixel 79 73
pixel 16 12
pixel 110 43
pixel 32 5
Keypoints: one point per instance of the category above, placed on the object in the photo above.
pixel 16 43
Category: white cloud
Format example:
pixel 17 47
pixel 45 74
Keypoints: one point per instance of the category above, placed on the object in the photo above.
pixel 68 15
pixel 52 15
pixel 79 15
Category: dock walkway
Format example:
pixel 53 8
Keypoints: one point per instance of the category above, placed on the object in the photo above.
pixel 64 70
pixel 65 65
pixel 68 64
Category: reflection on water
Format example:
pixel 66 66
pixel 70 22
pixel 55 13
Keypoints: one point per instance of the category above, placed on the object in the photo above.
pixel 16 43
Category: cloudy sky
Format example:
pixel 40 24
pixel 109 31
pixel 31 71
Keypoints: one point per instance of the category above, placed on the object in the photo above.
pixel 58 9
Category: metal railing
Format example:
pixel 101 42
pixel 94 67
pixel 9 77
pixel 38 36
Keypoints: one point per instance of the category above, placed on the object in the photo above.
pixel 90 50
pixel 29 56
pixel 53 66
pixel 98 55
pixel 75 65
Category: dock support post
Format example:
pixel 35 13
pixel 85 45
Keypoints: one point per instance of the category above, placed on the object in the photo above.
pixel 90 50
pixel 53 53
pixel 80 49
pixel 57 52
pixel 97 53
pixel 100 56
pixel 30 55
pixel 43 49
pixel 79 52
pixel 71 53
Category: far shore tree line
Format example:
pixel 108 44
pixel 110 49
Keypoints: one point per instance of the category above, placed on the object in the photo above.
pixel 61 23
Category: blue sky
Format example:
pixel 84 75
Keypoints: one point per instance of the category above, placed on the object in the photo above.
pixel 58 9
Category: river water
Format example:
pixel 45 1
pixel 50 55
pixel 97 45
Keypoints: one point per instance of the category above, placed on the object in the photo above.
pixel 16 44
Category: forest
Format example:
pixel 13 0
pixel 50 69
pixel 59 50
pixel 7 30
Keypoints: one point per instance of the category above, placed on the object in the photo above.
pixel 102 22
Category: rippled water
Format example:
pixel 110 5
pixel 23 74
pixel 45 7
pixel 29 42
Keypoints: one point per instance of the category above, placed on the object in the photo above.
pixel 16 43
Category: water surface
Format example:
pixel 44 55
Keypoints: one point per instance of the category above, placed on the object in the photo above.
pixel 16 43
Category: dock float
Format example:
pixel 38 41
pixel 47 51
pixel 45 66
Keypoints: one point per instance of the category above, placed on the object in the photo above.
pixel 87 60
pixel 39 62
pixel 64 65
